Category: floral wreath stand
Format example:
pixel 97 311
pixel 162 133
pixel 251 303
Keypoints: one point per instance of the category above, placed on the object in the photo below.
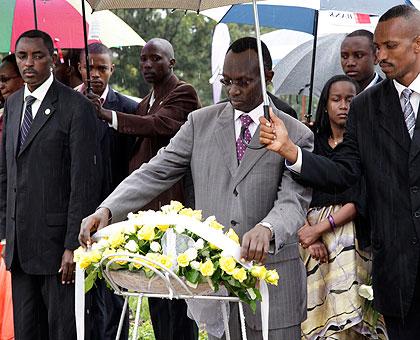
pixel 165 284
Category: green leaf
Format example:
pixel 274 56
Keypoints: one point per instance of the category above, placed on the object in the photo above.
pixel 192 275
pixel 90 280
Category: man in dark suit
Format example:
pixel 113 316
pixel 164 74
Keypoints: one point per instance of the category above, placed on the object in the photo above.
pixel 358 58
pixel 158 118
pixel 47 167
pixel 115 147
pixel 383 144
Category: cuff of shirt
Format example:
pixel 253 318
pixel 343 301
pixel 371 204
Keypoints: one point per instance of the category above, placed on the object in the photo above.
pixel 272 247
pixel 114 123
pixel 297 166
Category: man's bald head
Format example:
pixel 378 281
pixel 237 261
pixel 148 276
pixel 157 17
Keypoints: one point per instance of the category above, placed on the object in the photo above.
pixel 164 45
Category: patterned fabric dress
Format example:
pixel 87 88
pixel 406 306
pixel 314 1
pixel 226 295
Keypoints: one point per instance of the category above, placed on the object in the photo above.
pixel 335 308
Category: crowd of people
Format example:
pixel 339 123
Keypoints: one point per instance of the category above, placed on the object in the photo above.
pixel 329 209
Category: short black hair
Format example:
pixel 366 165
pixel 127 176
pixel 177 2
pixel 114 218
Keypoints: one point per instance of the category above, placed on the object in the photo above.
pixel 11 59
pixel 96 48
pixel 250 43
pixel 38 34
pixel 322 120
pixel 363 33
pixel 399 11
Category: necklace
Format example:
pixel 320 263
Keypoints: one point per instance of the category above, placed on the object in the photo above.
pixel 335 142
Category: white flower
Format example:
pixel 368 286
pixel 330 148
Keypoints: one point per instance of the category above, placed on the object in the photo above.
pixel 130 215
pixel 199 244
pixel 155 247
pixel 195 265
pixel 131 246
pixel 191 253
pixel 101 244
pixel 210 219
pixel 179 228
pixel 130 229
pixel 366 292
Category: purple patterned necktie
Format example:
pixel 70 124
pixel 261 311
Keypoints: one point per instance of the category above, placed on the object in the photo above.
pixel 27 119
pixel 240 146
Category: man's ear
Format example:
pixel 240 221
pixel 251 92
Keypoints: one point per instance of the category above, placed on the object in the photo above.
pixel 269 74
pixel 417 44
pixel 54 58
pixel 172 63
pixel 112 68
pixel 79 67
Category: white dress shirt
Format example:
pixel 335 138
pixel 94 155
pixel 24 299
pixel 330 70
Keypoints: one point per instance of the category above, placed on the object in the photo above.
pixel 255 114
pixel 39 93
pixel 373 82
pixel 414 100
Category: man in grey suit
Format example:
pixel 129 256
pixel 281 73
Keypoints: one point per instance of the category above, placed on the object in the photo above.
pixel 250 191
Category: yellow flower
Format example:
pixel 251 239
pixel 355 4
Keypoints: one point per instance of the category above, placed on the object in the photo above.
pixel 233 235
pixel 116 239
pixel 176 206
pixel 259 272
pixel 78 253
pixel 166 261
pixel 213 247
pixel 227 264
pixel 163 227
pixel 207 268
pixel 239 274
pixel 216 225
pixel 147 232
pixel 121 252
pixel 154 257
pixel 89 257
pixel 183 260
pixel 191 213
pixel 272 277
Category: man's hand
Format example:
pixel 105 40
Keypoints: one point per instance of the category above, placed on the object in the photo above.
pixel 67 267
pixel 308 235
pixel 274 135
pixel 318 251
pixel 93 222
pixel 102 113
pixel 256 243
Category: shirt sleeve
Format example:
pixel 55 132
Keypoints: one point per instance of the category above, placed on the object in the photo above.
pixel 297 166
pixel 114 123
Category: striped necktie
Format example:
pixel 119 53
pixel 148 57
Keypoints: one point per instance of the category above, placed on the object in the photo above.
pixel 27 119
pixel 240 146
pixel 409 117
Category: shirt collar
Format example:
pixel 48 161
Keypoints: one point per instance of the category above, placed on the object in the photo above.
pixel 255 114
pixel 373 82
pixel 414 86
pixel 41 91
pixel 81 88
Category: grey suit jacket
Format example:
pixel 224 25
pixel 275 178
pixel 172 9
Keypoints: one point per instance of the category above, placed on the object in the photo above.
pixel 259 189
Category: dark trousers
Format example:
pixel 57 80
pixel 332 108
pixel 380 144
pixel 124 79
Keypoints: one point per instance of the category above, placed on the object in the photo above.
pixel 170 320
pixel 407 328
pixel 43 308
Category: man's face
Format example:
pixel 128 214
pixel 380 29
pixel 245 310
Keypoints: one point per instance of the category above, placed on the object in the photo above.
pixel 10 81
pixel 155 64
pixel 101 69
pixel 398 49
pixel 358 58
pixel 34 61
pixel 241 78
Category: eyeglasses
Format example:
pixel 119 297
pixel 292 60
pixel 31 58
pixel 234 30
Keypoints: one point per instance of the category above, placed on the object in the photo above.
pixel 242 83
pixel 5 79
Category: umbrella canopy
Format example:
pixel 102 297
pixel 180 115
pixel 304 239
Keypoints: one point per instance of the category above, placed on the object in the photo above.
pixel 62 20
pixel 194 5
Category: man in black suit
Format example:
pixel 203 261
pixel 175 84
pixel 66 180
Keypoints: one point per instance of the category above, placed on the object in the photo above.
pixel 269 74
pixel 115 149
pixel 358 58
pixel 47 167
pixel 382 143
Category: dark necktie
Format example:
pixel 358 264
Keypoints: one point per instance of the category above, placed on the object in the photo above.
pixel 409 116
pixel 27 119
pixel 240 146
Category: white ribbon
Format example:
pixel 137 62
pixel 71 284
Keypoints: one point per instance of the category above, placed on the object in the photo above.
pixel 201 229
pixel 79 305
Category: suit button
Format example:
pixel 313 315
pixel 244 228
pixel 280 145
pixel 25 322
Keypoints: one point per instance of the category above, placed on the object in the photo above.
pixel 14 189
pixel 414 189
pixel 235 192
pixel 414 241
pixel 233 223
pixel 417 214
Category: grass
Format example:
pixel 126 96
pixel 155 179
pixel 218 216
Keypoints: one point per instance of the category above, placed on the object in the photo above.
pixel 145 331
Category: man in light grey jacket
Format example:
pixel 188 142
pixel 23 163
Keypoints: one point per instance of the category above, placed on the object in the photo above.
pixel 248 190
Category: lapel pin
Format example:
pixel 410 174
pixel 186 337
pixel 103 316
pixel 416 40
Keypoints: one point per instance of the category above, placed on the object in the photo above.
pixel 47 111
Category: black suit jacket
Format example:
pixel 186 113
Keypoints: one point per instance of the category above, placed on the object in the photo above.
pixel 47 185
pixel 378 146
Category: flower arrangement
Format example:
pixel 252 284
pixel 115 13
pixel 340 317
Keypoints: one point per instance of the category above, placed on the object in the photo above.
pixel 199 262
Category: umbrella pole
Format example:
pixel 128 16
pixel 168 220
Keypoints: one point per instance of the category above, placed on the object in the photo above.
pixel 311 86
pixel 89 88
pixel 260 60
pixel 35 15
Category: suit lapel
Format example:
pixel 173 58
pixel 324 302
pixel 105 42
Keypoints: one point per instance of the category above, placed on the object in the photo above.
pixel 392 117
pixel 45 111
pixel 415 143
pixel 225 138
pixel 14 116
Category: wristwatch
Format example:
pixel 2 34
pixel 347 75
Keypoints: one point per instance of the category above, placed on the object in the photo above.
pixel 268 226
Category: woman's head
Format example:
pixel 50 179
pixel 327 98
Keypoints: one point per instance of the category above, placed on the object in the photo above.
pixel 334 103
pixel 10 79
